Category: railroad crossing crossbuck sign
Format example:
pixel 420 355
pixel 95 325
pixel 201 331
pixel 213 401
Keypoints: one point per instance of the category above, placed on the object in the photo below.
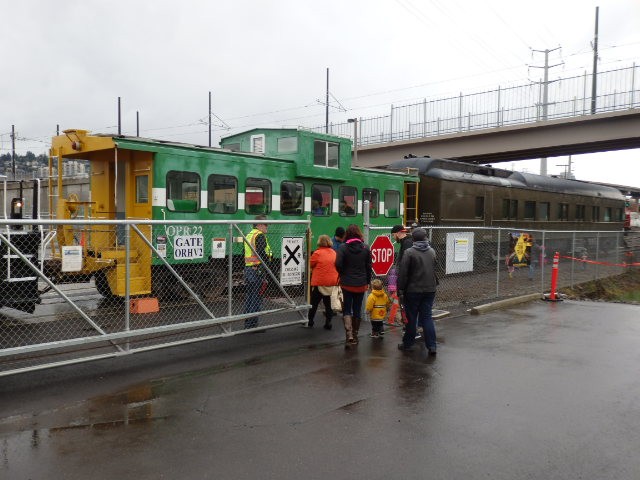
pixel 382 255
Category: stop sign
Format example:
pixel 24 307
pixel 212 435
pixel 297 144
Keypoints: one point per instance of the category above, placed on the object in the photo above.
pixel 382 252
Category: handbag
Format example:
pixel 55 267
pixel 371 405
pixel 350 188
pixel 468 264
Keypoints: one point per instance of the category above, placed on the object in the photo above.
pixel 336 299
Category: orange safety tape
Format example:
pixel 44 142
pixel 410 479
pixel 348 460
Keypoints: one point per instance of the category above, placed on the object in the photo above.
pixel 635 264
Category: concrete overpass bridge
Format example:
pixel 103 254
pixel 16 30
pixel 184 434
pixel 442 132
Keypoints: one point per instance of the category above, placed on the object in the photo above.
pixel 600 132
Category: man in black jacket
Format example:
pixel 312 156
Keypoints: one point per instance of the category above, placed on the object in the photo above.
pixel 399 233
pixel 417 290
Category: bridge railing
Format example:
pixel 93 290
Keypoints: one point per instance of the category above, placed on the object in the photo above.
pixel 566 97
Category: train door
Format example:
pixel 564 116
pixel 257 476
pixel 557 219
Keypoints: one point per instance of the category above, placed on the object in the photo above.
pixel 138 204
pixel 138 184
pixel 410 202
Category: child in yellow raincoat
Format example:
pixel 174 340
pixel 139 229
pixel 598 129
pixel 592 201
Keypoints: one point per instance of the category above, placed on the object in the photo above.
pixel 378 303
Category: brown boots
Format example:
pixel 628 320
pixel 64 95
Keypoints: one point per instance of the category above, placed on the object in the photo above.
pixel 351 327
pixel 355 325
pixel 348 330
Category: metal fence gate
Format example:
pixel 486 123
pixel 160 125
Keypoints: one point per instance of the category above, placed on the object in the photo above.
pixel 194 270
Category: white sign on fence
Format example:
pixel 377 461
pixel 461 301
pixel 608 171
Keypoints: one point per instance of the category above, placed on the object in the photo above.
pixel 72 258
pixel 292 263
pixel 459 252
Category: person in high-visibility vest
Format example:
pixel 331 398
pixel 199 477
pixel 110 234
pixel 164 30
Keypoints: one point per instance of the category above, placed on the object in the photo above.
pixel 254 274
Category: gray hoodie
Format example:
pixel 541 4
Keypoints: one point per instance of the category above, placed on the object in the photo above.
pixel 418 269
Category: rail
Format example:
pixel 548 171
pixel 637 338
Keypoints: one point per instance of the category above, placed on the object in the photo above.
pixel 567 97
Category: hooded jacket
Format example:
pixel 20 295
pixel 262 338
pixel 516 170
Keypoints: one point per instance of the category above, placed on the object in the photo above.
pixel 353 262
pixel 377 304
pixel 418 269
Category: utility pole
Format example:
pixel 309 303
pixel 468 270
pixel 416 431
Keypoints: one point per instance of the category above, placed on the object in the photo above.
pixel 137 123
pixel 209 117
pixel 545 95
pixel 119 119
pixel 13 151
pixel 326 106
pixel 594 81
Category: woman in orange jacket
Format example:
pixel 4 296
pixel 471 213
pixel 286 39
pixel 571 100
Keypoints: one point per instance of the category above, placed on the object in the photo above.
pixel 324 278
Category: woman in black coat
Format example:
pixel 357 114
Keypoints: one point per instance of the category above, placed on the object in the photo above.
pixel 353 262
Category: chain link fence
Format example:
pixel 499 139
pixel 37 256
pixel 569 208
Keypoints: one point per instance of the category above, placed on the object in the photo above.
pixel 477 265
pixel 126 287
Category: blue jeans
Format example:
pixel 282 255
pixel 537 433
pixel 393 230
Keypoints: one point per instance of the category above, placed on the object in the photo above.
pixel 418 307
pixel 252 298
pixel 352 303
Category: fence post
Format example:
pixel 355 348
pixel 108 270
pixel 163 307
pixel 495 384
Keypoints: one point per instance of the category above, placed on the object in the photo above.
pixel 127 280
pixel 365 220
pixel 633 83
pixel 498 109
pixel 498 262
pixel 597 254
pixel 543 258
pixel 573 254
pixel 424 117
pixel 391 125
pixel 230 272
pixel 460 112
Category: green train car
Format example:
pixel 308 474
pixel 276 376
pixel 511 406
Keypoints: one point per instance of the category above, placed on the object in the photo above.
pixel 281 173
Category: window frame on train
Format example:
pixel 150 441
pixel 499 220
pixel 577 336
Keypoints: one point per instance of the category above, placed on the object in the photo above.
pixel 347 192
pixel 296 193
pixel 395 202
pixel 221 205
pixel 321 191
pixel 326 154
pixel 287 144
pixel 373 195
pixel 529 210
pixel 175 180
pixel 265 187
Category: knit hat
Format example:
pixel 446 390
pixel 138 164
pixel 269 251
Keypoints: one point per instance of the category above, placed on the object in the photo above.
pixel 419 234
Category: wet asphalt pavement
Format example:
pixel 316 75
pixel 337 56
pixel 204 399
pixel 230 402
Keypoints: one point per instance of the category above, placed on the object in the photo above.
pixel 538 391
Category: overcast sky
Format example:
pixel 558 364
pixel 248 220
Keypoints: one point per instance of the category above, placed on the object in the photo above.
pixel 66 62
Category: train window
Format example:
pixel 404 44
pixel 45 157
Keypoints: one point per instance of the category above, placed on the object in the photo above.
pixel 321 196
pixel 374 201
pixel 607 214
pixel 529 210
pixel 291 198
pixel 479 213
pixel 257 196
pixel 348 198
pixel 257 143
pixel 509 209
pixel 543 211
pixel 222 191
pixel 325 154
pixel 595 214
pixel 391 203
pixel 563 211
pixel 183 191
pixel 580 213
pixel 619 216
pixel 288 145
pixel 142 188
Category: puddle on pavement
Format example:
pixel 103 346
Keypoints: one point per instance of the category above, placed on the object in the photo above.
pixel 28 436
